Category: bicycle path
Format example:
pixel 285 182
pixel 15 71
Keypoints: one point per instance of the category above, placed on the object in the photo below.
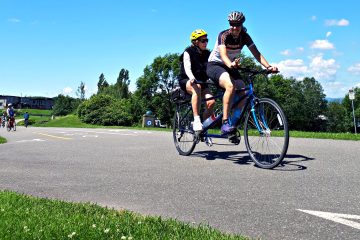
pixel 141 171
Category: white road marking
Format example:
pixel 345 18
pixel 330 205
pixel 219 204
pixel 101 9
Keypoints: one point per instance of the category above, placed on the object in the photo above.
pixel 32 140
pixel 86 136
pixel 336 217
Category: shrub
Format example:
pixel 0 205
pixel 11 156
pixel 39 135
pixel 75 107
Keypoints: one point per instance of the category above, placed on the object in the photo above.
pixel 105 110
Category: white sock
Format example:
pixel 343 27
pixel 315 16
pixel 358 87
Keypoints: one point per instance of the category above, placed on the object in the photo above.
pixel 197 118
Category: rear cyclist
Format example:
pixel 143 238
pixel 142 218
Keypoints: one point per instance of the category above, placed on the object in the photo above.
pixel 224 60
pixel 193 67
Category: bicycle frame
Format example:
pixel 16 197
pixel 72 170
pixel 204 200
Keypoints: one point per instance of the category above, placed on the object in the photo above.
pixel 250 102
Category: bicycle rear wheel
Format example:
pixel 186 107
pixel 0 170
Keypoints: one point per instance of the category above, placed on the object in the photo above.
pixel 266 134
pixel 183 134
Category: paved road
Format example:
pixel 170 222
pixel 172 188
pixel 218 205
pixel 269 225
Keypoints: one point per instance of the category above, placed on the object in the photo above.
pixel 142 172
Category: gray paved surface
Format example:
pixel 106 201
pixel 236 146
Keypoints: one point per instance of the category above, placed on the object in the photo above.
pixel 141 171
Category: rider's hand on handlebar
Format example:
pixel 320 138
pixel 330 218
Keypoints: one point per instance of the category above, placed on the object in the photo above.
pixel 235 63
pixel 272 69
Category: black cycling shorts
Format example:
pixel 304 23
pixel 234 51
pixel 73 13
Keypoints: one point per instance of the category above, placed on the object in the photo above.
pixel 215 69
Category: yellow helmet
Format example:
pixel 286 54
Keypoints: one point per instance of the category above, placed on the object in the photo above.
pixel 197 33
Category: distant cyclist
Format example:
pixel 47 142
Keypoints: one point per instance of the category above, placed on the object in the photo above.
pixel 10 113
pixel 193 67
pixel 26 118
pixel 224 59
pixel 3 119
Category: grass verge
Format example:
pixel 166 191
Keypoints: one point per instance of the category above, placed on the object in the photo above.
pixel 2 140
pixel 26 217
pixel 325 135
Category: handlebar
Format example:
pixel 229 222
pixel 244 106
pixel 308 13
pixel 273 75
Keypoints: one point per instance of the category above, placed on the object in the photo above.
pixel 252 71
pixel 256 72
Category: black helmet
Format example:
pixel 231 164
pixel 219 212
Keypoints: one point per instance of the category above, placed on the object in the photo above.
pixel 236 17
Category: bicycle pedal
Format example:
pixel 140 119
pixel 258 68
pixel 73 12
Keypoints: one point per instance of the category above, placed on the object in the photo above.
pixel 235 137
pixel 235 140
pixel 208 141
pixel 197 136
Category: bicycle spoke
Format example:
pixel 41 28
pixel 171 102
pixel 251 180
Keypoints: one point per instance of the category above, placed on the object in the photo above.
pixel 184 136
pixel 266 142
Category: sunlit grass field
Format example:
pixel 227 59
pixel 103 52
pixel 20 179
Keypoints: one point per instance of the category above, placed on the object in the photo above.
pixel 27 217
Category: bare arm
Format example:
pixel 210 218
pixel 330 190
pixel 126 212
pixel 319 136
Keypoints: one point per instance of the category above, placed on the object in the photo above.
pixel 224 56
pixel 187 66
pixel 258 56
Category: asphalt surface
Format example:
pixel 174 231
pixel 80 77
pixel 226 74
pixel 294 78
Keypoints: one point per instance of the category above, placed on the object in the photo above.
pixel 142 172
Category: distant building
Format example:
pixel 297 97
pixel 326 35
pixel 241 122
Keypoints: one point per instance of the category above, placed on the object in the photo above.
pixel 26 102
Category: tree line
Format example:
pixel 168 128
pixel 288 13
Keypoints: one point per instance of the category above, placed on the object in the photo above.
pixel 304 101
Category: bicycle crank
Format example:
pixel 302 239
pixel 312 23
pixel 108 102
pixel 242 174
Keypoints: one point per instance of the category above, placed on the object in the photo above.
pixel 235 137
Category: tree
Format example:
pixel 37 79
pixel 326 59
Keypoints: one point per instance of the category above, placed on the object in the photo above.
pixel 337 118
pixel 64 105
pixel 154 86
pixel 81 91
pixel 314 102
pixel 102 83
pixel 122 84
pixel 105 110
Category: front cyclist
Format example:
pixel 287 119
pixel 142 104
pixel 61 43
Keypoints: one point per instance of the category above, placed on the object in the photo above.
pixel 224 60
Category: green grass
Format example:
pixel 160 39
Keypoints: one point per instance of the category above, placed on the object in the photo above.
pixel 33 111
pixel 66 121
pixel 36 115
pixel 26 217
pixel 2 140
pixel 325 135
pixel 74 121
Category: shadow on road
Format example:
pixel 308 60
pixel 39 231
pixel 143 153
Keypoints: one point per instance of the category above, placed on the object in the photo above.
pixel 293 165
pixel 290 163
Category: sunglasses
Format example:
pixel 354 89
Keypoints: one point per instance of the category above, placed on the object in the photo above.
pixel 204 40
pixel 236 24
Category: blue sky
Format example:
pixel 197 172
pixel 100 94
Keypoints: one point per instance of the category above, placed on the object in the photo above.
pixel 48 47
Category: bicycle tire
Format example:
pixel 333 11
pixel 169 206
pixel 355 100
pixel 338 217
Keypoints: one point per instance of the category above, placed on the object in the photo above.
pixel 266 148
pixel 14 126
pixel 183 135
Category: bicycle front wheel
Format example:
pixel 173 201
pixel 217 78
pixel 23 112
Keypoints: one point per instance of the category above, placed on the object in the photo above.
pixel 183 134
pixel 266 133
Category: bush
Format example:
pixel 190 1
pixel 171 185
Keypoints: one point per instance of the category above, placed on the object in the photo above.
pixel 105 110
pixel 65 105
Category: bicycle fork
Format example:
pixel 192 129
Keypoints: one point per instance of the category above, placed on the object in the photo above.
pixel 260 125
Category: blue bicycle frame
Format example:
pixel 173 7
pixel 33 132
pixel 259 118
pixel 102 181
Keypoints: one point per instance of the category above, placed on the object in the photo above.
pixel 250 99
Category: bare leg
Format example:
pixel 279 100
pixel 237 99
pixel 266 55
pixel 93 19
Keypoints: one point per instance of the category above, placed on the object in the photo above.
pixel 209 105
pixel 195 91
pixel 226 83
pixel 238 85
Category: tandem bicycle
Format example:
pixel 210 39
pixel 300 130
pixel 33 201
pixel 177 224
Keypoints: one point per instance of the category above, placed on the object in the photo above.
pixel 265 126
